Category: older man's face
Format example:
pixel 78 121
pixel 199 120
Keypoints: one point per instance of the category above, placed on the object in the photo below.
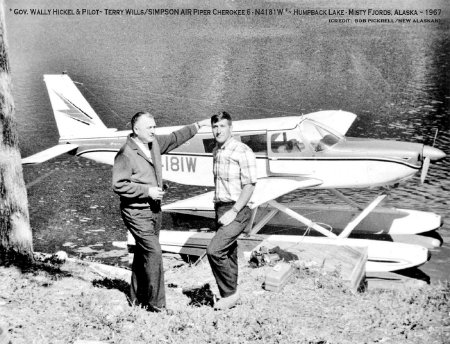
pixel 144 129
pixel 221 131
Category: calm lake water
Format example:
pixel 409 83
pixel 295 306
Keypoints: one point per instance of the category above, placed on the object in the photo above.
pixel 395 77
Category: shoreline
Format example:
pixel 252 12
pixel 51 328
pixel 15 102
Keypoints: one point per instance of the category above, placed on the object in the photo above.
pixel 80 214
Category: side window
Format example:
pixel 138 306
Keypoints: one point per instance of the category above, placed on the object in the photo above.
pixel 286 142
pixel 209 145
pixel 257 143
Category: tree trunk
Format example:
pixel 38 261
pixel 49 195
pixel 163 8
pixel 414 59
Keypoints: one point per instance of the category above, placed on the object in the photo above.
pixel 15 231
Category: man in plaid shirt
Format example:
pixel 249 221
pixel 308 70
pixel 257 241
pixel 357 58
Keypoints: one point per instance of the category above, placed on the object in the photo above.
pixel 235 178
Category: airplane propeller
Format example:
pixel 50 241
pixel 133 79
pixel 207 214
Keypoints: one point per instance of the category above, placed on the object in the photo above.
pixel 425 167
pixel 430 153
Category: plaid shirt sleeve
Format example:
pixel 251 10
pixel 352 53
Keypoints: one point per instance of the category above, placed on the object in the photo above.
pixel 247 164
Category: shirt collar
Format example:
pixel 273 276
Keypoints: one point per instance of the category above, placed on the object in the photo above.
pixel 230 142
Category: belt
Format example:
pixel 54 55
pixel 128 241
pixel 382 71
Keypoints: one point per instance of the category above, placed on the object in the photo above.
pixel 221 204
pixel 149 203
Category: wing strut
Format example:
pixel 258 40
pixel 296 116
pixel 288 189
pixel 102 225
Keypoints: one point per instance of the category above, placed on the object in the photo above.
pixel 361 216
pixel 255 229
pixel 347 200
pixel 302 219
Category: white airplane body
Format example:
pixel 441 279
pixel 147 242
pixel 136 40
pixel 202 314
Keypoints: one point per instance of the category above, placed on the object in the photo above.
pixel 311 146
pixel 293 153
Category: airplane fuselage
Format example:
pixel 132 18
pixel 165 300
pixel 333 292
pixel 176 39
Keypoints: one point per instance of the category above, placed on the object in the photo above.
pixel 311 147
pixel 347 163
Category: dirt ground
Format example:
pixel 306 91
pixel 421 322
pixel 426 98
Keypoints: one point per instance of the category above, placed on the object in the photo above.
pixel 80 302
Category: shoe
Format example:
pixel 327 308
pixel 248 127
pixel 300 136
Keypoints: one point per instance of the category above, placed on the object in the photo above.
pixel 169 312
pixel 162 310
pixel 227 302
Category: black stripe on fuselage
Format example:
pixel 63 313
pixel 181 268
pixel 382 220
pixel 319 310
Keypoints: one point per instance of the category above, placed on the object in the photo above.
pixel 311 158
pixel 349 159
pixel 277 159
pixel 96 151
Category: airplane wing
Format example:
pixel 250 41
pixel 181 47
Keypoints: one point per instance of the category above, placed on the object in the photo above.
pixel 339 121
pixel 203 202
pixel 49 154
pixel 266 189
pixel 270 188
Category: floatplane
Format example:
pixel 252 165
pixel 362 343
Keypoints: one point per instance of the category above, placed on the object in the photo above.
pixel 304 152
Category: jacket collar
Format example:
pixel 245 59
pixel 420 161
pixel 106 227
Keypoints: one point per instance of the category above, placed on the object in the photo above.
pixel 133 145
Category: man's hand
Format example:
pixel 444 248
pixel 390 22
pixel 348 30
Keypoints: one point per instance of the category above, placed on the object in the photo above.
pixel 155 193
pixel 228 217
pixel 205 123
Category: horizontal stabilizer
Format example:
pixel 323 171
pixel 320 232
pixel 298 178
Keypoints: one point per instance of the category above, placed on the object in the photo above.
pixel 49 154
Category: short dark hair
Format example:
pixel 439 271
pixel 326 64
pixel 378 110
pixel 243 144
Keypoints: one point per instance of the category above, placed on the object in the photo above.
pixel 138 115
pixel 220 116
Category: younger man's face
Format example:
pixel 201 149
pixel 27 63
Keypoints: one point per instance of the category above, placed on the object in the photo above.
pixel 221 131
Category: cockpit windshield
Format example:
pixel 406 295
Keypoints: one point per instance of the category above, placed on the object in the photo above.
pixel 319 137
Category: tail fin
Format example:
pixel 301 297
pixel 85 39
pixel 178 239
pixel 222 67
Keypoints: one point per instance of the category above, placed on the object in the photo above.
pixel 74 116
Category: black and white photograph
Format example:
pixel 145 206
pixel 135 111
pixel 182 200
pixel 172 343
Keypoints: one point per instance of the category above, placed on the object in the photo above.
pixel 232 171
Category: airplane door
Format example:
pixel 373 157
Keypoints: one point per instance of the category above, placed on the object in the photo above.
pixel 287 154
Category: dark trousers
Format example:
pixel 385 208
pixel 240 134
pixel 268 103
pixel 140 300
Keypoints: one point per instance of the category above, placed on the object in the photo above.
pixel 147 278
pixel 222 251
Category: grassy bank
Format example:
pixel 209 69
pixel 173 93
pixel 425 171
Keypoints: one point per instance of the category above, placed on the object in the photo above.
pixel 77 302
